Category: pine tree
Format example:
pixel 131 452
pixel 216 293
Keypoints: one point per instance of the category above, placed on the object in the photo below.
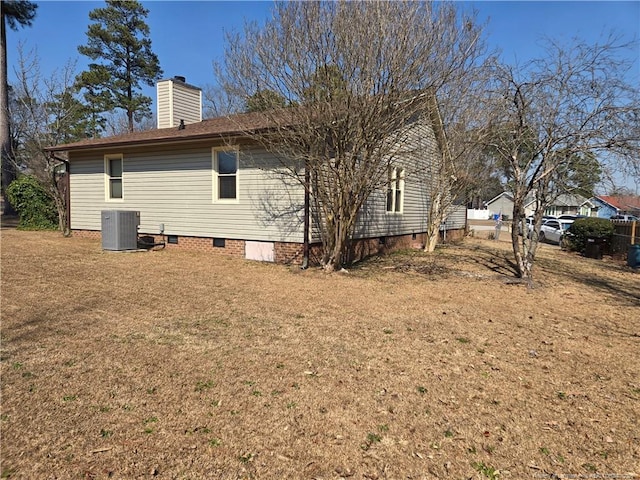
pixel 120 46
pixel 14 14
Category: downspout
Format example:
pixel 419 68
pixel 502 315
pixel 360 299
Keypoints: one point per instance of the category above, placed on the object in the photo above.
pixel 305 242
pixel 67 195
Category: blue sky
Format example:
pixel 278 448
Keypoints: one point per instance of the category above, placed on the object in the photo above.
pixel 187 36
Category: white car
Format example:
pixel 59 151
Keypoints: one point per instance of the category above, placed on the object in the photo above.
pixel 529 224
pixel 552 230
pixel 626 218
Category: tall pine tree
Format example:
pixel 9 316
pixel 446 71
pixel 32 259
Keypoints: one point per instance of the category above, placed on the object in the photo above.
pixel 120 46
pixel 14 14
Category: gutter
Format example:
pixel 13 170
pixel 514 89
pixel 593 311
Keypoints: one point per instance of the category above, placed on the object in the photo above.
pixel 136 143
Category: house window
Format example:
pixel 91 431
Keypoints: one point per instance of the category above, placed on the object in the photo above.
pixel 395 190
pixel 225 174
pixel 113 169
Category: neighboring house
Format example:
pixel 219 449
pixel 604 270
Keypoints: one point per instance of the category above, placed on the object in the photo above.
pixel 610 205
pixel 501 205
pixel 203 184
pixel 605 208
pixel 571 205
pixel 564 204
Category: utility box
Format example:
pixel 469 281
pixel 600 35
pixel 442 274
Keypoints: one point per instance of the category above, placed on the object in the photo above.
pixel 120 229
pixel 633 257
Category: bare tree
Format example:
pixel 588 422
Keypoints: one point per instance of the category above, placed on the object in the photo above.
pixel 357 85
pixel 117 123
pixel 565 109
pixel 46 111
pixel 218 102
pixel 459 116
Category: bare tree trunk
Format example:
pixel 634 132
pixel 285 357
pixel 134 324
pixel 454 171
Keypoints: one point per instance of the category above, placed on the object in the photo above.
pixel 59 189
pixel 525 246
pixel 129 98
pixel 522 255
pixel 8 165
pixel 432 240
pixel 334 251
pixel 433 226
pixel 338 234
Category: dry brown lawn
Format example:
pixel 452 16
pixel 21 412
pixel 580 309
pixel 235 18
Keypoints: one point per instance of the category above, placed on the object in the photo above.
pixel 176 364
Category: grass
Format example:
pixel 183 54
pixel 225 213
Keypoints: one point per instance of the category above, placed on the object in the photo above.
pixel 202 386
pixel 372 438
pixel 486 470
pixel 197 365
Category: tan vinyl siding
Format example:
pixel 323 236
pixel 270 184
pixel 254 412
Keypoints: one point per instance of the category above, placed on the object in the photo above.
pixel 163 92
pixel 177 101
pixel 174 186
pixel 87 190
pixel 456 217
pixel 416 156
pixel 186 105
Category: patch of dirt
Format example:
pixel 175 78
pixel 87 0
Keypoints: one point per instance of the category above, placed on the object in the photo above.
pixel 175 364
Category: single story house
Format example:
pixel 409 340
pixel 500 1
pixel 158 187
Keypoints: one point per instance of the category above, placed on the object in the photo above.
pixel 204 184
pixel 571 204
pixel 501 205
pixel 563 204
pixel 610 205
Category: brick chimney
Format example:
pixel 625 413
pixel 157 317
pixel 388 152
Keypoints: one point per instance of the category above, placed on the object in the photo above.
pixel 178 101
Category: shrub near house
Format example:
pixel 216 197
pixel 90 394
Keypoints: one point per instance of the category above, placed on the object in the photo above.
pixel 35 206
pixel 583 228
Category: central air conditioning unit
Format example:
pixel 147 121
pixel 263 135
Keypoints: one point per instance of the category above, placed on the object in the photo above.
pixel 120 229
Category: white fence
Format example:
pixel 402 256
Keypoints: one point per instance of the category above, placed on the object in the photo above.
pixel 475 214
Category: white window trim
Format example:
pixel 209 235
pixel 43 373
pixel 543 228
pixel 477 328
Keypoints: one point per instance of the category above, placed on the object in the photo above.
pixel 107 177
pixel 214 173
pixel 396 182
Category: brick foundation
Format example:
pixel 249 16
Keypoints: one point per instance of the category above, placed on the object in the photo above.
pixel 454 236
pixel 201 244
pixel 291 252
pixel 288 252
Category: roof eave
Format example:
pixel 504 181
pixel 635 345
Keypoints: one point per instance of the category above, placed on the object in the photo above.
pixel 147 142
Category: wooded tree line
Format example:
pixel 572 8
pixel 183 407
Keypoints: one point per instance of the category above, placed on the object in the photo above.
pixel 554 125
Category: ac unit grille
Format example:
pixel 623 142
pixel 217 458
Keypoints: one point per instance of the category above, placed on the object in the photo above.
pixel 120 229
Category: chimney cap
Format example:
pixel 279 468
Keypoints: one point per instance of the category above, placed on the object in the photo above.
pixel 178 80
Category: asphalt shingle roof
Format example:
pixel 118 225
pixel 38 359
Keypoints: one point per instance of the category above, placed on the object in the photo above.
pixel 622 202
pixel 215 127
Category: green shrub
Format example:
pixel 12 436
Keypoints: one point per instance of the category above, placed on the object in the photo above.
pixel 583 228
pixel 35 206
